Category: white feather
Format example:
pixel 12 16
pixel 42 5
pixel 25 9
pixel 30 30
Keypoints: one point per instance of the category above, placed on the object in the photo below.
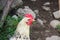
pixel 23 30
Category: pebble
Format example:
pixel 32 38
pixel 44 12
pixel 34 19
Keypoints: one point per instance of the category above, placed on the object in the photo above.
pixel 39 39
pixel 46 8
pixel 44 21
pixel 47 31
pixel 36 11
pixel 47 3
pixel 54 23
pixel 26 9
pixel 14 16
pixel 53 38
pixel 20 10
pixel 56 14
pixel 17 3
pixel 33 0
pixel 40 21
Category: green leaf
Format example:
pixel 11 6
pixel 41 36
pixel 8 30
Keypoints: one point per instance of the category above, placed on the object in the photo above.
pixel 10 27
pixel 58 26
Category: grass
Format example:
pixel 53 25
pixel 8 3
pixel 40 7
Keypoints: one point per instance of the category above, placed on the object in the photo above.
pixel 9 28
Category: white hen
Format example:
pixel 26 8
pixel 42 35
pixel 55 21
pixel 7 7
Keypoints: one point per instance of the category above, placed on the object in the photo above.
pixel 23 29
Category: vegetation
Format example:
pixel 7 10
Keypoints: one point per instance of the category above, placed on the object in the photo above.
pixel 58 27
pixel 8 30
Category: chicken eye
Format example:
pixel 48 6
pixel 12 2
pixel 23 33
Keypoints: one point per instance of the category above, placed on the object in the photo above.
pixel 28 19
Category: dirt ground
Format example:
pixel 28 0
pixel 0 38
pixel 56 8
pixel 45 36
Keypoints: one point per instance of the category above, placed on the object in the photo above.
pixel 39 32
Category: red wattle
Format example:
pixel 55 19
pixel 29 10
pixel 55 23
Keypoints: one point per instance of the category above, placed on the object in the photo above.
pixel 29 23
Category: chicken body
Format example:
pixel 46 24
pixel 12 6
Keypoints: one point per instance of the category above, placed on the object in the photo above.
pixel 23 28
pixel 23 31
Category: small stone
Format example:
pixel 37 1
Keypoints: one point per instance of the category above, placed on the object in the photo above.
pixel 20 12
pixel 46 8
pixel 33 0
pixel 54 23
pixel 36 11
pixel 47 31
pixel 36 32
pixel 26 7
pixel 40 21
pixel 39 39
pixel 56 14
pixel 14 16
pixel 53 38
pixel 16 3
pixel 44 21
pixel 47 3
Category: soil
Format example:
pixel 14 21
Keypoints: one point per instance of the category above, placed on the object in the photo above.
pixel 39 32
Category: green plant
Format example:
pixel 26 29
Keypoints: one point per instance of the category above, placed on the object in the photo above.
pixel 9 27
pixel 58 27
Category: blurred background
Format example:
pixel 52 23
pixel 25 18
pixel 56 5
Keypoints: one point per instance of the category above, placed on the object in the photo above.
pixel 44 13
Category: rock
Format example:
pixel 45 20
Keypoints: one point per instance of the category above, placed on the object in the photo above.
pixel 36 11
pixel 46 8
pixel 47 3
pixel 40 21
pixel 14 4
pixel 26 7
pixel 30 11
pixel 33 0
pixel 17 3
pixel 20 12
pixel 53 38
pixel 44 21
pixel 54 23
pixel 56 14
pixel 39 39
pixel 47 31
pixel 14 16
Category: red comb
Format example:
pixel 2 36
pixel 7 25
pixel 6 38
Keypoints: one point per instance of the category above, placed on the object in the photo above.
pixel 28 15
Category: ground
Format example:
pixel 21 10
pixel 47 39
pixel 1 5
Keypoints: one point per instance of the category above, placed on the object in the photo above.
pixel 39 32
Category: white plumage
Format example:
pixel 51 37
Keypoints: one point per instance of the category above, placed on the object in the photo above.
pixel 22 30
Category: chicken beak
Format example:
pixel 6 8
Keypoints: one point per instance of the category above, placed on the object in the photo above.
pixel 33 19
